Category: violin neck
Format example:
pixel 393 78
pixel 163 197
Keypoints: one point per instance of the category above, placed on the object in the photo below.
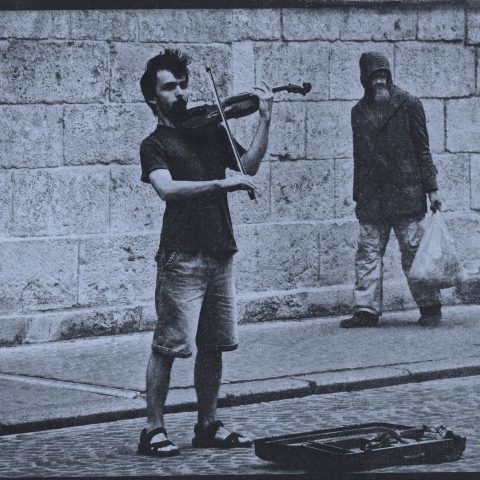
pixel 280 89
pixel 303 89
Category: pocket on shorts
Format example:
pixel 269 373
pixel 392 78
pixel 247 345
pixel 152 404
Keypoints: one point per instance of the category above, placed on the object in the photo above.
pixel 171 259
pixel 166 260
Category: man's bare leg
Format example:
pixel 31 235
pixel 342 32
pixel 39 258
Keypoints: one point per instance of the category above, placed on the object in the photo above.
pixel 208 376
pixel 158 381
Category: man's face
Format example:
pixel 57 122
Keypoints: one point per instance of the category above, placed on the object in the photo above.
pixel 171 94
pixel 379 86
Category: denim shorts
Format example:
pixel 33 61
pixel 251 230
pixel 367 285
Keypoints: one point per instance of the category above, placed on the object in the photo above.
pixel 194 295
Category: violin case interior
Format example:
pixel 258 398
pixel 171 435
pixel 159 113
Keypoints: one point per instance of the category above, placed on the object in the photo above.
pixel 343 449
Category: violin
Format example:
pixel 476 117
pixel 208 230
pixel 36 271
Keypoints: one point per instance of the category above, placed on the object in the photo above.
pixel 236 106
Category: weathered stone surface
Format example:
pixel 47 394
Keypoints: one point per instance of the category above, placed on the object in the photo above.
pixel 441 23
pixel 98 322
pixel 60 201
pixel 38 275
pixel 396 295
pixel 5 201
pixel 268 306
pixel 337 246
pixel 34 24
pixel 30 136
pixel 329 132
pixel 134 205
pixel 478 71
pixel 113 25
pixel 380 24
pixel 243 58
pixel 435 69
pixel 73 72
pixel 280 64
pixel 453 179
pixel 303 190
pixel 208 25
pixel 117 269
pixel 312 24
pixel 276 256
pixel 244 210
pixel 434 112
pixel 473 26
pixel 287 131
pixel 12 330
pixel 463 125
pixel 47 327
pixel 129 60
pixel 345 70
pixel 344 204
pixel 465 231
pixel 475 181
pixel 106 134
pixel 149 317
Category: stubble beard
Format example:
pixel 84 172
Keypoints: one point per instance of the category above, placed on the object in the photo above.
pixel 176 111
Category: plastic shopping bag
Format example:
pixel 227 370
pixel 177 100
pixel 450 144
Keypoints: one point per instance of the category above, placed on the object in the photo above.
pixel 436 262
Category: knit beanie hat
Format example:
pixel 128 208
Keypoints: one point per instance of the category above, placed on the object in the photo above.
pixel 371 62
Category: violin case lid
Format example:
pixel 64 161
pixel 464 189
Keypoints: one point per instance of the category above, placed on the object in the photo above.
pixel 362 447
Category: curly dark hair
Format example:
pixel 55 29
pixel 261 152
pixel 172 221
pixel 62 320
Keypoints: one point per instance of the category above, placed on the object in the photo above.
pixel 170 59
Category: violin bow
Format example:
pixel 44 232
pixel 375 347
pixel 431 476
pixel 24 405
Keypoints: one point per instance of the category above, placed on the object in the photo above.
pixel 251 193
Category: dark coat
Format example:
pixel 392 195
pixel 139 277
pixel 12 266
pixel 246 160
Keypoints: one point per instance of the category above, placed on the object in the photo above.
pixel 393 168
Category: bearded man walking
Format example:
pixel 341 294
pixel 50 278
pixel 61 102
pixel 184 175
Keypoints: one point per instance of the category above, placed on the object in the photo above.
pixel 393 174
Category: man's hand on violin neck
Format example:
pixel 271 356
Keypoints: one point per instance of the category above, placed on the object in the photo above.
pixel 265 96
pixel 237 182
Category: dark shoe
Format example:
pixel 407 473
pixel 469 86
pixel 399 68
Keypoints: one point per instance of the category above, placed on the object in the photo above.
pixel 430 316
pixel 208 438
pixel 164 448
pixel 360 319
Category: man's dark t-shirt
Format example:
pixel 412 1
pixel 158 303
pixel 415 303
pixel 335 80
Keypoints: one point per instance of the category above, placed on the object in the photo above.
pixel 201 223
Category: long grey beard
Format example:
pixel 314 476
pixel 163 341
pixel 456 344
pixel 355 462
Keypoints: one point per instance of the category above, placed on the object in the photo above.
pixel 381 95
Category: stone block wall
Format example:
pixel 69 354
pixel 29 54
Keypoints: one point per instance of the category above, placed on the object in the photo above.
pixel 78 231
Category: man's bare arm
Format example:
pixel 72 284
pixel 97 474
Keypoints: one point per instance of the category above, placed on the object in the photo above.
pixel 169 189
pixel 252 158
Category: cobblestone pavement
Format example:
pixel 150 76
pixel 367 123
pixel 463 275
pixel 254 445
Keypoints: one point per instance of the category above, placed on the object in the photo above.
pixel 109 448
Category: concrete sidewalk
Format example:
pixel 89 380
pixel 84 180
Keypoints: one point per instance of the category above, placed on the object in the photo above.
pixel 102 379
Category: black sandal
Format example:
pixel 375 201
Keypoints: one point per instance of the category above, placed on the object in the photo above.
pixel 207 438
pixel 154 449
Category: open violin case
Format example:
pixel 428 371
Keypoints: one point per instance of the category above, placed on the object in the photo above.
pixel 362 447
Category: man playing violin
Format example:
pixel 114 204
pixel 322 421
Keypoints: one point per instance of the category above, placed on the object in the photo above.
pixel 195 292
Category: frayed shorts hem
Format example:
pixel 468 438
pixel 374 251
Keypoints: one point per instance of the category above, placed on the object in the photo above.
pixel 218 348
pixel 169 352
pixel 209 348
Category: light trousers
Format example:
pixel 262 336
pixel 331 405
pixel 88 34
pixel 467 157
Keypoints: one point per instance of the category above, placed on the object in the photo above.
pixel 373 241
